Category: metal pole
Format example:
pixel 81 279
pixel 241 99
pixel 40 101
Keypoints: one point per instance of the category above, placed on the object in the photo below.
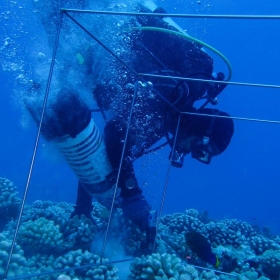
pixel 172 15
pixel 168 174
pixel 119 171
pixel 209 81
pixel 67 269
pixel 35 146
pixel 229 117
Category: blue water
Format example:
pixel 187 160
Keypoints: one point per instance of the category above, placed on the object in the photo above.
pixel 241 183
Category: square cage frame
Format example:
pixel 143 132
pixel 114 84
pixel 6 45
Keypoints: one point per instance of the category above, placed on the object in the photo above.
pixel 142 78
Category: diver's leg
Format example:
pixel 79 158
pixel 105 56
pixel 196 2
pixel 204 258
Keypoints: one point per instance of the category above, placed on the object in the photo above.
pixel 114 133
pixel 134 205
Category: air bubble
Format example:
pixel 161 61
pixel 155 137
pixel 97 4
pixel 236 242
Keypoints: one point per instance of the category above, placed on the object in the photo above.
pixel 41 56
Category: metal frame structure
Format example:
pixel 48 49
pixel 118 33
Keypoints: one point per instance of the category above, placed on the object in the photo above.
pixel 142 78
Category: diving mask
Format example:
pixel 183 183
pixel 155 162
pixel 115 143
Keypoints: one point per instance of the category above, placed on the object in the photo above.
pixel 203 150
pixel 177 159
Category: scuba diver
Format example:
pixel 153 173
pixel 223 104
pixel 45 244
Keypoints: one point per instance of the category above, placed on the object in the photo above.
pixel 154 116
pixel 158 103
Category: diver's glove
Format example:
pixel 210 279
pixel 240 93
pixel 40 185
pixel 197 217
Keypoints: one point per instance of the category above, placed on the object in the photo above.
pixel 108 202
pixel 83 203
pixel 82 210
pixel 136 208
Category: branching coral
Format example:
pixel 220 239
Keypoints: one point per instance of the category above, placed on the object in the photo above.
pixel 18 261
pixel 40 263
pixel 234 235
pixel 270 263
pixel 131 238
pixel 179 222
pixel 40 236
pixel 98 271
pixel 208 275
pixel 47 209
pixel 260 244
pixel 225 232
pixel 134 239
pixel 100 215
pixel 70 233
pixel 172 243
pixel 228 232
pixel 77 232
pixel 156 267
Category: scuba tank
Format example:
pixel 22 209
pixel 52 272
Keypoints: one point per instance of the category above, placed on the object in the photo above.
pixel 68 124
pixel 86 154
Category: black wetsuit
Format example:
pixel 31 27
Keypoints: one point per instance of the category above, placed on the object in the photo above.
pixel 153 118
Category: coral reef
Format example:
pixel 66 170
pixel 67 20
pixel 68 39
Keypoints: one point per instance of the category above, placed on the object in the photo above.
pixel 172 242
pixel 260 244
pixel 270 263
pixel 228 232
pixel 49 225
pixel 63 277
pixel 48 239
pixel 131 238
pixel 18 262
pixel 47 209
pixel 47 232
pixel 39 236
pixel 134 239
pixel 98 270
pixel 77 232
pixel 239 247
pixel 39 263
pixel 160 266
pixel 9 202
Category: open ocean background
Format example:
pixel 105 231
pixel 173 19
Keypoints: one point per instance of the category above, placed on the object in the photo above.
pixel 242 183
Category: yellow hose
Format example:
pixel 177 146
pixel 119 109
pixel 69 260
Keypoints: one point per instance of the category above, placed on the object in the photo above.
pixel 148 28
